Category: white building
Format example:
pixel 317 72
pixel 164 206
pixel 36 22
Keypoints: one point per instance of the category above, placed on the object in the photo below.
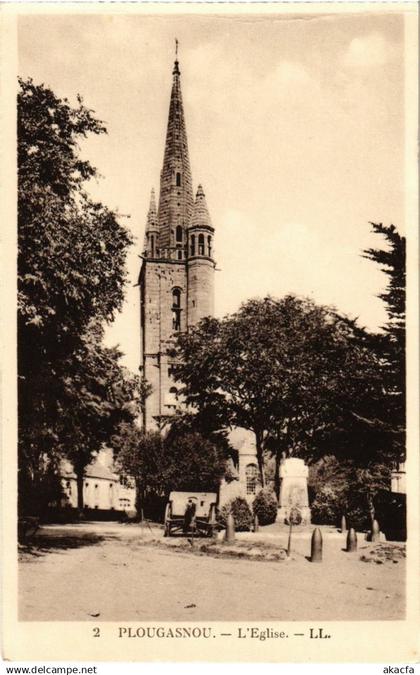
pixel 102 488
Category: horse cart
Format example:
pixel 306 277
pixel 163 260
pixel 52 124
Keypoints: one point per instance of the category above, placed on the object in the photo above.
pixel 191 513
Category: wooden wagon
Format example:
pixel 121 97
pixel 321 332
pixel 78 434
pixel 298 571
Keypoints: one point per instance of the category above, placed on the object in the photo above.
pixel 191 513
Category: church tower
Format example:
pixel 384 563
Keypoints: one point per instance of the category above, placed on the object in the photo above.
pixel 176 277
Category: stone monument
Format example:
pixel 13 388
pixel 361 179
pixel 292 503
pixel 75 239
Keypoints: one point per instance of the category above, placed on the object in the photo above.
pixel 294 490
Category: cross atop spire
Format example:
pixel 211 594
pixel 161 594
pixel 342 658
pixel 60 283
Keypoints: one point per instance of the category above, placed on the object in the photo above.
pixel 176 64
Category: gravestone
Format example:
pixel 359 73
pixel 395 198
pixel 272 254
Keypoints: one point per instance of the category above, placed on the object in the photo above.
pixel 294 490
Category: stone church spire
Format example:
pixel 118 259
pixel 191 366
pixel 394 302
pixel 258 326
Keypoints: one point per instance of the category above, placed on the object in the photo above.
pixel 200 215
pixel 151 238
pixel 176 196
pixel 176 281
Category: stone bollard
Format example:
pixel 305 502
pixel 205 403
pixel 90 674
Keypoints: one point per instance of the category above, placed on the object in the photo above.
pixel 351 540
pixel 256 523
pixel 316 546
pixel 343 524
pixel 230 529
pixel 375 532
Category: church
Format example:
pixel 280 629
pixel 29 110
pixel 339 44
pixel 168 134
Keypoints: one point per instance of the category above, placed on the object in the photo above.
pixel 176 284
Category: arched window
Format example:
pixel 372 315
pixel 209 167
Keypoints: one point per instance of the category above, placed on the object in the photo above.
pixel 178 179
pixel 176 297
pixel 201 244
pixel 152 245
pixel 176 309
pixel 251 476
pixel 192 244
pixel 179 234
pixel 209 246
pixel 171 398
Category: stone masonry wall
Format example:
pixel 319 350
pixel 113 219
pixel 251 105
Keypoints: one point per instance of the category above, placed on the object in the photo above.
pixel 200 289
pixel 160 279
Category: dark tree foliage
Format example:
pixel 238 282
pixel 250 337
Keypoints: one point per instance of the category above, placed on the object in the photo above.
pixel 158 465
pixel 71 273
pixel 265 506
pixel 297 374
pixel 346 487
pixel 193 463
pixel 391 344
pixel 140 458
pixel 241 512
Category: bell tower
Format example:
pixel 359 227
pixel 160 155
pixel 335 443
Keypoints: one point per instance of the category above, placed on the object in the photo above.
pixel 200 265
pixel 176 276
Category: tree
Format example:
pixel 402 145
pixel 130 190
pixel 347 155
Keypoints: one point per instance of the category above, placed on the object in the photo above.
pixel 391 344
pixel 71 274
pixel 158 465
pixel 346 487
pixel 192 462
pixel 140 458
pixel 295 373
pixel 98 395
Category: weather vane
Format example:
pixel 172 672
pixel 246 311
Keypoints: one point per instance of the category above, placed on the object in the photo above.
pixel 176 47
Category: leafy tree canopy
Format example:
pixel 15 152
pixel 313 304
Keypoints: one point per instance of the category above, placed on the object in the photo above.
pixel 297 374
pixel 71 274
pixel 177 462
pixel 71 250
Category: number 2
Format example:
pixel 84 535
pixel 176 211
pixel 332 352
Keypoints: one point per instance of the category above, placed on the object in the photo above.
pixel 96 632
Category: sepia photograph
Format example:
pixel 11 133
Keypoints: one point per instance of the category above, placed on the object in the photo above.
pixel 211 321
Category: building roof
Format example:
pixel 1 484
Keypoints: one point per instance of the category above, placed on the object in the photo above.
pixel 200 216
pixel 97 469
pixel 242 440
pixel 176 196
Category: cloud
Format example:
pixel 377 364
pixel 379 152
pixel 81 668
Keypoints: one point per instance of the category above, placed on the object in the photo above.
pixel 299 257
pixel 368 51
pixel 290 72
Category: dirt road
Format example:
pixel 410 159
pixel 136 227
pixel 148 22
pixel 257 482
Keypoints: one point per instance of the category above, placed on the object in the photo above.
pixel 113 578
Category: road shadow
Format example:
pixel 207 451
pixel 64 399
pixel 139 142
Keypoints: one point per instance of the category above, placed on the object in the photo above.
pixel 42 544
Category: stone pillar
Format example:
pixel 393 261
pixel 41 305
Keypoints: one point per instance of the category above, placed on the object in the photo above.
pixel 294 490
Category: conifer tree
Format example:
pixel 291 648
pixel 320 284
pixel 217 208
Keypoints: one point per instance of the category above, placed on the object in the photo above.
pixel 391 344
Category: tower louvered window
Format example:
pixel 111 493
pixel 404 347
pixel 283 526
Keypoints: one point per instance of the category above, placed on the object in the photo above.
pixel 201 244
pixel 179 240
pixel 176 309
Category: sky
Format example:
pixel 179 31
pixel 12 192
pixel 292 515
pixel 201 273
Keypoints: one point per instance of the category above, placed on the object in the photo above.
pixel 295 127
